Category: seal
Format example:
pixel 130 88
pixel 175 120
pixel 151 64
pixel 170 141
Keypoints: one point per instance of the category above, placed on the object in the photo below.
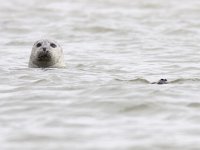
pixel 161 81
pixel 46 54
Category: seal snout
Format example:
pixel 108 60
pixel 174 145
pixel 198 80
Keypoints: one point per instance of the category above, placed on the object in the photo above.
pixel 44 49
pixel 44 55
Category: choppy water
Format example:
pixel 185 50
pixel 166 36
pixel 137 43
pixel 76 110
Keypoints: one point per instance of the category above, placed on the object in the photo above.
pixel 103 100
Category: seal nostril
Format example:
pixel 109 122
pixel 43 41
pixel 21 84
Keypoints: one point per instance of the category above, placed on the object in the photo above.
pixel 44 49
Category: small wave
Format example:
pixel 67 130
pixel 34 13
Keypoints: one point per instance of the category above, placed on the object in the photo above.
pixel 176 81
pixel 194 105
pixel 184 81
pixel 137 81
pixel 96 29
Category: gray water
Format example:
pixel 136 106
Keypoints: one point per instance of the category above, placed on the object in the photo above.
pixel 103 99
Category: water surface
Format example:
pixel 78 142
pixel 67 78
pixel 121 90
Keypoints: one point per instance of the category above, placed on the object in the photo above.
pixel 103 99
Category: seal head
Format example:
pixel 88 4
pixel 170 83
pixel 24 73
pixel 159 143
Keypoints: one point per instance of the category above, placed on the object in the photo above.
pixel 46 53
pixel 161 81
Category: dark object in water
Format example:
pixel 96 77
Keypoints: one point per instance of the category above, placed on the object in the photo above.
pixel 161 81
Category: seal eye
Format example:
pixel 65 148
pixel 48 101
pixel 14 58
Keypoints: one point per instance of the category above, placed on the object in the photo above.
pixel 39 44
pixel 53 45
